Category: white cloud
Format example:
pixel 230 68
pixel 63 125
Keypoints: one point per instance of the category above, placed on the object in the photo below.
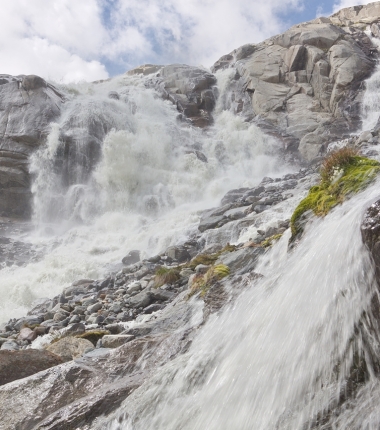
pixel 72 40
pixel 194 31
pixel 56 39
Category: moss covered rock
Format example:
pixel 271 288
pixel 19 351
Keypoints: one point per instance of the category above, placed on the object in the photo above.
pixel 343 174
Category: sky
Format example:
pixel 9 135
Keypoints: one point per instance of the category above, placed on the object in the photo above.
pixel 74 40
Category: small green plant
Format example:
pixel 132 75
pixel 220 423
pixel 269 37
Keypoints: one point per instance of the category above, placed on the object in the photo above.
pixel 343 173
pixel 166 275
pixel 203 282
pixel 271 240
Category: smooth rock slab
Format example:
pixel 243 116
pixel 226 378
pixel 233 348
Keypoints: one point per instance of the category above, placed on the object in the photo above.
pixel 116 340
pixel 20 364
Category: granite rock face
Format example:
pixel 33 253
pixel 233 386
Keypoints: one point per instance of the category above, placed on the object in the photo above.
pixel 190 88
pixel 28 104
pixel 305 86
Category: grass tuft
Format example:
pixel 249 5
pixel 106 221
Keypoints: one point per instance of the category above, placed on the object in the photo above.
pixel 166 275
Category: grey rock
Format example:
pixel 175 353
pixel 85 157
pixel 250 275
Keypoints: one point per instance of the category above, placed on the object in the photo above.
pixel 241 261
pixel 140 300
pixel 94 308
pixel 27 106
pixel 152 308
pixel 10 345
pixel 160 294
pixel 131 258
pixel 212 222
pixel 114 341
pixel 179 253
pixel 190 89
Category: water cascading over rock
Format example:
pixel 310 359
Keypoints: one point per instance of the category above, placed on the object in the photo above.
pixel 162 201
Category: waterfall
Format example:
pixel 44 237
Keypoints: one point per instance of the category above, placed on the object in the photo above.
pixel 270 360
pixel 122 174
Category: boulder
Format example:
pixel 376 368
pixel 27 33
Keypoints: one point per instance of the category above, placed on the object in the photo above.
pixel 20 364
pixel 69 348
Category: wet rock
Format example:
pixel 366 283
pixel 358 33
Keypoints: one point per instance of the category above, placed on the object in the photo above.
pixel 241 261
pixel 69 348
pixel 212 222
pixel 179 253
pixel 20 364
pixel 28 104
pixel 131 258
pixel 114 341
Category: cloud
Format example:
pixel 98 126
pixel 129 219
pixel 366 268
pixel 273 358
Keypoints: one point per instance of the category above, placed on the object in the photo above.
pixel 56 39
pixel 192 31
pixel 69 40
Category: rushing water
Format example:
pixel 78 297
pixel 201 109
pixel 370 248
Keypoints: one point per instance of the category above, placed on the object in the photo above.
pixel 269 361
pixel 117 175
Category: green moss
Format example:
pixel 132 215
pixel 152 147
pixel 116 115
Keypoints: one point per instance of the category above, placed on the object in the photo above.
pixel 166 275
pixel 93 335
pixel 343 174
pixel 270 241
pixel 204 282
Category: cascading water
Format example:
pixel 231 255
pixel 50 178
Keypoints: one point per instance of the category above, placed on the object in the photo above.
pixel 141 188
pixel 270 361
